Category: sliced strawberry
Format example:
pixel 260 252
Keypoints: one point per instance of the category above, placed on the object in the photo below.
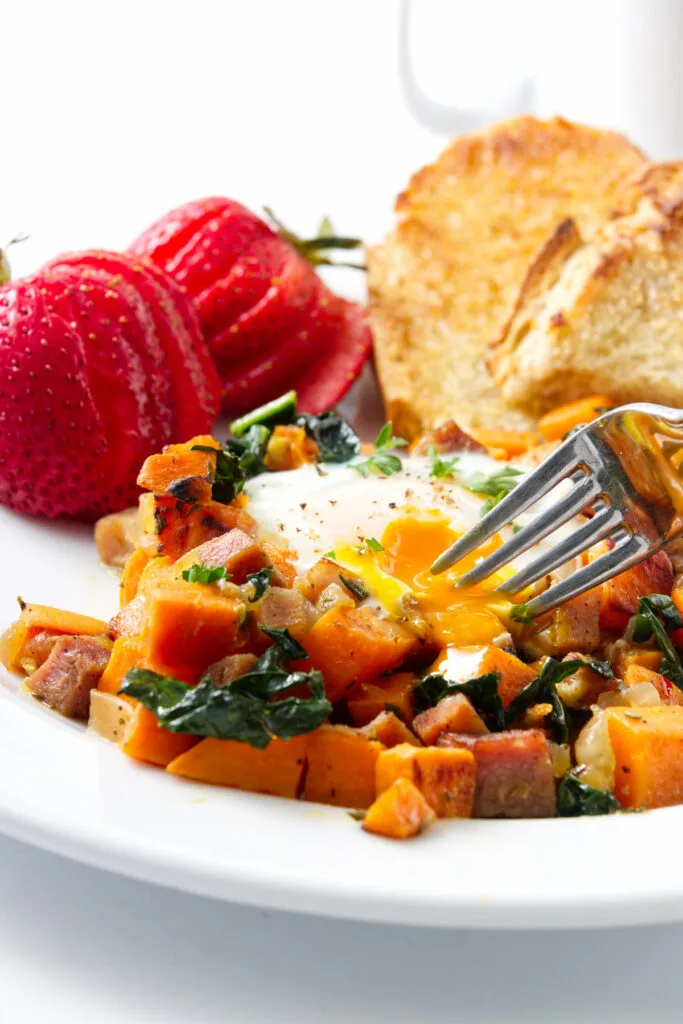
pixel 101 293
pixel 116 376
pixel 249 279
pixel 54 454
pixel 344 348
pixel 197 259
pixel 284 309
pixel 169 234
pixel 193 381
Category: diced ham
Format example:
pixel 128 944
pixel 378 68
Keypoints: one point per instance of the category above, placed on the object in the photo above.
pixel 131 619
pixel 71 671
pixel 236 551
pixel 284 609
pixel 227 669
pixel 448 437
pixel 322 575
pixel 514 773
pixel 37 648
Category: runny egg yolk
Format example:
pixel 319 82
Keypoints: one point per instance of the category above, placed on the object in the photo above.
pixel 410 545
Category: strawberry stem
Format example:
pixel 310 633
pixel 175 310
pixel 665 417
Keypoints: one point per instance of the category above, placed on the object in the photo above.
pixel 5 273
pixel 313 249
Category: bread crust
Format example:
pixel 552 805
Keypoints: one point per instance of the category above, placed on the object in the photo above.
pixel 446 280
pixel 608 317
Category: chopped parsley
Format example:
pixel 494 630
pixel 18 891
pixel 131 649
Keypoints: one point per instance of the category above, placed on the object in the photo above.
pixel 441 467
pixel 382 461
pixel 520 613
pixel 373 545
pixel 199 573
pixel 495 486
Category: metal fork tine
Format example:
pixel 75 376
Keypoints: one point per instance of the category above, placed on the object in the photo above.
pixel 629 550
pixel 585 490
pixel 541 480
pixel 602 523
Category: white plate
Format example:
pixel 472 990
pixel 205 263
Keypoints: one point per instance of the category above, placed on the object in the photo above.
pixel 76 794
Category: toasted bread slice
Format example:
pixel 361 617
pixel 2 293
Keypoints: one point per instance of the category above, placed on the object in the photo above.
pixel 604 315
pixel 444 282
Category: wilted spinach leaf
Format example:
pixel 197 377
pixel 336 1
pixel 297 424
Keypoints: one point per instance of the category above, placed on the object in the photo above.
pixel 481 691
pixel 542 689
pixel 575 798
pixel 243 710
pixel 260 581
pixel 336 439
pixel 228 477
pixel 648 623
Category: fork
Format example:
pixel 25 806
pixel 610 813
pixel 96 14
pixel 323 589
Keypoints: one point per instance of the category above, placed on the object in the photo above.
pixel 623 471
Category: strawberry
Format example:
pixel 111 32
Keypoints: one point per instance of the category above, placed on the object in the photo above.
pixel 269 321
pixel 101 364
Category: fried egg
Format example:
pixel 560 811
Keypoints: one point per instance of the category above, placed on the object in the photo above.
pixel 388 531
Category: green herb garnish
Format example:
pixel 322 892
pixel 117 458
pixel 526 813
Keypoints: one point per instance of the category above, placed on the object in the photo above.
pixel 199 573
pixel 651 610
pixel 575 798
pixel 496 485
pixel 441 467
pixel 260 581
pixel 382 461
pixel 481 691
pixel 245 710
pixel 373 545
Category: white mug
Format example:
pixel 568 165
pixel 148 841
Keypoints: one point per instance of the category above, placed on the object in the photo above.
pixel 609 63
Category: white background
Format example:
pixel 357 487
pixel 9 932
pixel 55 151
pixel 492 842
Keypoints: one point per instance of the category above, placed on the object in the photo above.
pixel 109 114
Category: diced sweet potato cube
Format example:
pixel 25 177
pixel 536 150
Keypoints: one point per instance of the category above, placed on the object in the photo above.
pixel 283 609
pixel 648 750
pixel 236 551
pixel 445 777
pixel 190 625
pixel 556 423
pixel 353 645
pixel 399 812
pixel 514 773
pixel 132 572
pixel 127 653
pixel 370 699
pixel 452 714
pixel 620 595
pixel 668 692
pixel 289 447
pixel 341 767
pixel 626 656
pixel 42 618
pixel 180 472
pixel 277 769
pixel 390 730
pixel 458 664
pixel 145 740
pixel 173 527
